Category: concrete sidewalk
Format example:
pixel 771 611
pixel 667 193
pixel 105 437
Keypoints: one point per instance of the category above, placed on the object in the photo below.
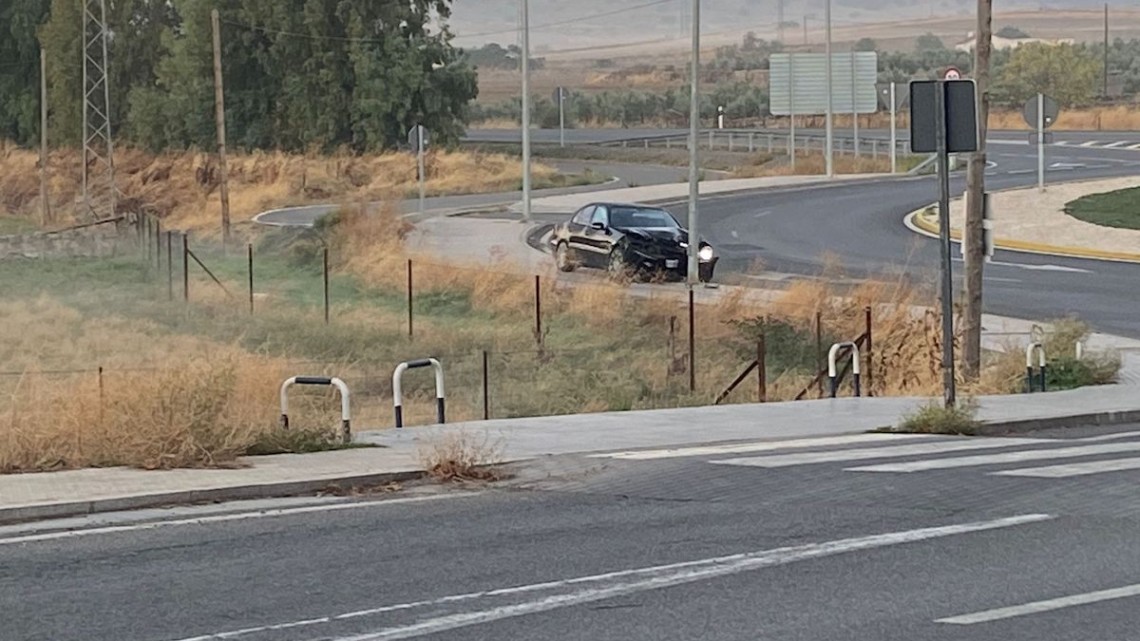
pixel 55 494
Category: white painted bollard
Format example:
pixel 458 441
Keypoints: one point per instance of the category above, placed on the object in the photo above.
pixel 833 370
pixel 345 407
pixel 398 394
pixel 1029 350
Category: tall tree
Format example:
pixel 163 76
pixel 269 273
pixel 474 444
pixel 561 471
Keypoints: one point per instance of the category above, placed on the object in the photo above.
pixel 20 69
pixel 1064 72
pixel 62 38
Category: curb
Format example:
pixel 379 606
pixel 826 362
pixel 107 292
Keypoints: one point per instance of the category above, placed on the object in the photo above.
pixel 1115 417
pixel 63 509
pixel 919 221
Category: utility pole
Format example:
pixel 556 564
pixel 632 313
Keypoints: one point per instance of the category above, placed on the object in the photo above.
pixel 829 124
pixel 45 208
pixel 526 108
pixel 220 121
pixel 975 197
pixel 694 151
pixel 780 21
pixel 99 191
pixel 1106 50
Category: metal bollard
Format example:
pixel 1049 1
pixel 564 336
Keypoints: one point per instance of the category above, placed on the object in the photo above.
pixel 1029 349
pixel 345 407
pixel 397 389
pixel 833 371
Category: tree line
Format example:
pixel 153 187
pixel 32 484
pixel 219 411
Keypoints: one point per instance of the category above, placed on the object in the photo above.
pixel 299 74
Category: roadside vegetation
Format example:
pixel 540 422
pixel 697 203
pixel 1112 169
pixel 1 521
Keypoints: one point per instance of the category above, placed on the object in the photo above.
pixel 935 418
pixel 195 384
pixel 181 188
pixel 1119 208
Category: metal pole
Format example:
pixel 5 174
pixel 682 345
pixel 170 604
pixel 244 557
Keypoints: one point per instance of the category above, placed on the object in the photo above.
pixel 762 369
pixel 867 351
pixel 561 117
pixel 1106 50
pixel 894 132
pixel 944 228
pixel 692 343
pixel 854 107
pixel 249 252
pixel 792 109
pixel 170 265
pixel 694 153
pixel 819 351
pixel 325 258
pixel 420 164
pixel 410 332
pixel 45 208
pixel 486 388
pixel 526 108
pixel 538 309
pixel 828 161
pixel 185 268
pixel 1041 142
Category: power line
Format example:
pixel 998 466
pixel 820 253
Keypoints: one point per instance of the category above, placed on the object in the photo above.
pixel 561 23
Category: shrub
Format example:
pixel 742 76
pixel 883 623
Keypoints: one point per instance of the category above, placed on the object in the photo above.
pixel 936 418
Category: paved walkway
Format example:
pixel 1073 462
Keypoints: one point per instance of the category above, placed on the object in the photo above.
pixel 1031 220
pixel 42 495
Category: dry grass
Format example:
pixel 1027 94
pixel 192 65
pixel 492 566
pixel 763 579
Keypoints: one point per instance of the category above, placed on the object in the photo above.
pixel 182 188
pixel 813 164
pixel 460 456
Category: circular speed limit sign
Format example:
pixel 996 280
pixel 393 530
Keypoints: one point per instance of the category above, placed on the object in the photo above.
pixel 952 73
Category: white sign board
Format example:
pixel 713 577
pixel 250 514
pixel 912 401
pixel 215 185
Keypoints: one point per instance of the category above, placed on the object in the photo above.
pixel 798 83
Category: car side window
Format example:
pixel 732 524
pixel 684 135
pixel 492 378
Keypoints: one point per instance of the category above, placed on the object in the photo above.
pixel 601 215
pixel 583 216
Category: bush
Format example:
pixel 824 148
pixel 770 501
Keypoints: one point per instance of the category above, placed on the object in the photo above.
pixel 1069 373
pixel 936 418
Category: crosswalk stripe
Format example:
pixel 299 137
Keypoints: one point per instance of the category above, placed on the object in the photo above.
pixel 758 446
pixel 1006 457
pixel 1074 469
pixel 862 454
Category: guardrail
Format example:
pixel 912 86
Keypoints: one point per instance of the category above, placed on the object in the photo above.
pixel 767 140
pixel 345 408
pixel 398 392
pixel 1029 350
pixel 833 370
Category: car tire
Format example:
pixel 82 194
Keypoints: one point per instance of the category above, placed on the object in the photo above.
pixel 562 257
pixel 616 265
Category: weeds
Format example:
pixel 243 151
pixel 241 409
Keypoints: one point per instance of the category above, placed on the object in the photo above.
pixel 936 418
pixel 459 456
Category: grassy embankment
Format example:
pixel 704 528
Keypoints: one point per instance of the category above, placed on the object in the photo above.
pixel 1119 208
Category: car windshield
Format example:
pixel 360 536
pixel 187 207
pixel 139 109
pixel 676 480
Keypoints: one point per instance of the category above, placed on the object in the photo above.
pixel 637 217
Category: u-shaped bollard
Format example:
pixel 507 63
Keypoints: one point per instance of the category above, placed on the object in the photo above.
pixel 345 408
pixel 398 394
pixel 833 371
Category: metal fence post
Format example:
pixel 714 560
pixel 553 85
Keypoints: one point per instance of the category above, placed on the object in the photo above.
pixel 411 333
pixel 819 349
pixel 692 343
pixel 762 368
pixel 486 387
pixel 249 250
pixel 170 265
pixel 325 259
pixel 867 350
pixel 538 310
pixel 185 268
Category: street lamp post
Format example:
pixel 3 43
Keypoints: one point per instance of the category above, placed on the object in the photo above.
pixel 694 132
pixel 827 65
pixel 526 108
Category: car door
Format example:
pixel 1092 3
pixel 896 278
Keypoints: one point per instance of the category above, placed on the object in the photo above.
pixel 576 233
pixel 598 242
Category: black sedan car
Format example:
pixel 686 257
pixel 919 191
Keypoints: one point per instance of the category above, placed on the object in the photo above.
pixel 627 239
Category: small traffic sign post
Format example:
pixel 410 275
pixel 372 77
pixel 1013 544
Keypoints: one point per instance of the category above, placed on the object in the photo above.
pixel 944 120
pixel 1040 112
pixel 560 96
pixel 418 139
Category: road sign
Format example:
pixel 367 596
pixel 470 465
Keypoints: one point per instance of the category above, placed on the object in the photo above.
pixel 560 94
pixel 901 97
pixel 1052 110
pixel 952 73
pixel 961 116
pixel 798 83
pixel 414 137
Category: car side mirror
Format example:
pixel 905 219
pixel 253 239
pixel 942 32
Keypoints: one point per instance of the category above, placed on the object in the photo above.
pixel 599 227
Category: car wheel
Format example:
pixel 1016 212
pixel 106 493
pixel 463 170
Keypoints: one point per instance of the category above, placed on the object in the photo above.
pixel 562 257
pixel 616 266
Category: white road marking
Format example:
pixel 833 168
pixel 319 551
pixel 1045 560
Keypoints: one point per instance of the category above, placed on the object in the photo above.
pixel 1090 143
pixel 762 213
pixel 1038 607
pixel 1135 147
pixel 1108 437
pixel 734 234
pixel 1021 171
pixel 862 454
pixel 1116 145
pixel 1066 165
pixel 1008 457
pixel 222 518
pixel 1054 268
pixel 588 589
pixel 759 446
pixel 1062 143
pixel 1074 469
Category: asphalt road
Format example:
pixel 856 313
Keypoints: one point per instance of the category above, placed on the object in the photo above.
pixel 872 538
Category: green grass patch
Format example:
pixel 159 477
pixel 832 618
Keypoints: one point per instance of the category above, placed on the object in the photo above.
pixel 936 418
pixel 1119 208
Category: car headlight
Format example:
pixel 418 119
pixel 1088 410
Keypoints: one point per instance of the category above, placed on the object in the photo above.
pixel 706 253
